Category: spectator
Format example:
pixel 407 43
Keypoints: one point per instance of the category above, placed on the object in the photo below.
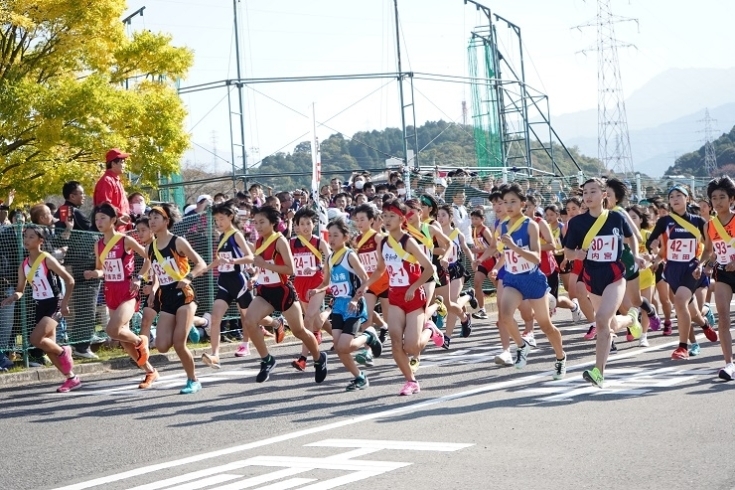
pixel 369 190
pixel 460 215
pixel 220 198
pixel 203 202
pixel 137 206
pixel 109 188
pixel 440 186
pixel 70 211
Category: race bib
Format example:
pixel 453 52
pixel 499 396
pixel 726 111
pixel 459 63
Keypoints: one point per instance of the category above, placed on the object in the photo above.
pixel 268 277
pixel 681 249
pixel 163 278
pixel 114 270
pixel 340 289
pixel 397 276
pixel 604 248
pixel 41 287
pixel 302 262
pixel 226 267
pixel 515 263
pixel 454 256
pixel 725 252
pixel 369 261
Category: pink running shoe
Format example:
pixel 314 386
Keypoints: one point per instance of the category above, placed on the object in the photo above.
pixel 591 333
pixel 66 361
pixel 654 323
pixel 243 350
pixel 69 384
pixel 410 388
pixel 436 335
pixel 318 336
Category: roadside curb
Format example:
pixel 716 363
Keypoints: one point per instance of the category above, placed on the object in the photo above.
pixel 33 376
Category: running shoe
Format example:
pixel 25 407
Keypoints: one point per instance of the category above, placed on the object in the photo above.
pixel 473 299
pixel 480 314
pixel 243 350
pixel 438 320
pixel 466 327
pixel 436 335
pixel 680 353
pixel 629 336
pixel 643 342
pixel 504 359
pixel 318 336
pixel 529 338
pixel 149 379
pixel 710 316
pixel 591 333
pixel 69 385
pixel 710 333
pixel 635 328
pixel 364 357
pixel 211 360
pixel 414 363
pixel 5 363
pixel 374 342
pixel 143 351
pixel 320 368
pixel 194 335
pixel 442 308
pixel 66 363
pixel 265 369
pixel 191 387
pixel 85 354
pixel 410 388
pixel 594 377
pixel 447 341
pixel 383 335
pixel 552 305
pixel 522 355
pixel 667 328
pixel 208 327
pixel 727 373
pixel 654 323
pixel 613 347
pixel 560 368
pixel 359 383
pixel 299 364
pixel 694 350
pixel 577 315
pixel 280 330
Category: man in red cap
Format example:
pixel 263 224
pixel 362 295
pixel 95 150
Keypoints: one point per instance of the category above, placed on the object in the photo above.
pixel 110 189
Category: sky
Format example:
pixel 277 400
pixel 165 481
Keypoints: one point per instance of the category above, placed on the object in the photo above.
pixel 287 38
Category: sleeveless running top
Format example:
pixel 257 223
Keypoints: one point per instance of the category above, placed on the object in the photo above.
pixel 724 250
pixel 173 259
pixel 232 251
pixel 304 258
pixel 514 262
pixel 401 273
pixel 45 282
pixel 270 254
pixel 119 264
pixel 343 282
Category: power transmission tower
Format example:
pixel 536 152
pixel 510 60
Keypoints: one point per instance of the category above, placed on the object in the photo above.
pixel 710 159
pixel 613 140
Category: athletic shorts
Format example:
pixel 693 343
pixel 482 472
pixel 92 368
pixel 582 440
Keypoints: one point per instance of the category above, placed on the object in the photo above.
pixel 233 286
pixel 397 295
pixel 577 266
pixel 457 271
pixel 596 281
pixel 725 277
pixel 631 268
pixel 380 288
pixel 46 308
pixel 303 284
pixel 559 259
pixel 443 275
pixel 553 281
pixel 173 298
pixel 117 293
pixel 281 296
pixel 153 302
pixel 679 274
pixel 501 273
pixel 487 266
pixel 659 273
pixel 648 278
pixel 531 285
pixel 349 326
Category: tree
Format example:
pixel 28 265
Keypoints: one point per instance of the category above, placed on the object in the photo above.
pixel 64 69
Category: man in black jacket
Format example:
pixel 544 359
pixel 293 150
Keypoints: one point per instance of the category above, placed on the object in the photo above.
pixel 80 257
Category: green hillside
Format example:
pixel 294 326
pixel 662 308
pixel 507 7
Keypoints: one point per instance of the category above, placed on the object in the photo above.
pixel 693 163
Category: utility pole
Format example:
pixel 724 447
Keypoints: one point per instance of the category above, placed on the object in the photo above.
pixel 710 158
pixel 613 139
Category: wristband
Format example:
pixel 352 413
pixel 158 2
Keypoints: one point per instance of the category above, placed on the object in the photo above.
pixel 140 278
pixel 189 277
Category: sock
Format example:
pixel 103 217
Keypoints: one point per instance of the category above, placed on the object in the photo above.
pixel 683 345
pixel 71 375
pixel 267 358
pixel 646 306
pixel 644 335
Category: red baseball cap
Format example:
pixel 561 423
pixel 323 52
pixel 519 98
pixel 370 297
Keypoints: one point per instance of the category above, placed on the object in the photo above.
pixel 114 154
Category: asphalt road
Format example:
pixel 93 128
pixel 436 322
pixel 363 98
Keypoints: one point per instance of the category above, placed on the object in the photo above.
pixel 657 424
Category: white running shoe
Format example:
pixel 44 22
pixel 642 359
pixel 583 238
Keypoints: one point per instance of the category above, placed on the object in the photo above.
pixel 643 342
pixel 504 359
pixel 552 305
pixel 530 338
pixel 577 315
pixel 728 372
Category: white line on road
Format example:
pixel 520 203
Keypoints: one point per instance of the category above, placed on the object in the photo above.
pixel 409 407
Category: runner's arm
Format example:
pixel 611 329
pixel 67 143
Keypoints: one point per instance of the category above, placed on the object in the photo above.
pixel 184 248
pixel 247 257
pixel 55 266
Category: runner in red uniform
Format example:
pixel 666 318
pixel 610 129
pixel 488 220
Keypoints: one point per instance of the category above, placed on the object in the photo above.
pixel 116 265
pixel 276 293
pixel 409 268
